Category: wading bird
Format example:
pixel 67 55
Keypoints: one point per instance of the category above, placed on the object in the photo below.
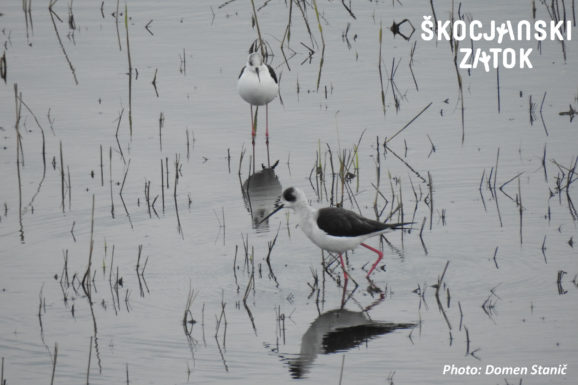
pixel 258 86
pixel 333 228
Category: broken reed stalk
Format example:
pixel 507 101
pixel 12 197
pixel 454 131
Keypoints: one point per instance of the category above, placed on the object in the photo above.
pixel 116 135
pixel 54 357
pixel 110 181
pixel 161 124
pixel 379 69
pixel 52 15
pixel 89 358
pixel 61 178
pixel 188 314
pixel 455 47
pixel 412 52
pixel 322 43
pixel 129 70
pixel 116 23
pixel 387 140
pixel 542 106
pixel 431 200
pixel 179 228
pixel 101 168
pixel 162 186
pixel 498 87
pixel 286 36
pixel 438 287
pixel 122 198
pixel 256 19
pixel 521 209
pixel 86 278
pixel 270 245
pixel 18 155
pixel 43 152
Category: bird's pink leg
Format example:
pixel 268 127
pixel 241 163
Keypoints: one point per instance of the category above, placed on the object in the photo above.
pixel 345 275
pixel 379 257
pixel 267 134
pixel 267 123
pixel 253 131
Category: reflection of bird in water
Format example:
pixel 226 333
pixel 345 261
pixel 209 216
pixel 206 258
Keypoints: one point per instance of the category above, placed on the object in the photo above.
pixel 337 331
pixel 261 192
pixel 333 228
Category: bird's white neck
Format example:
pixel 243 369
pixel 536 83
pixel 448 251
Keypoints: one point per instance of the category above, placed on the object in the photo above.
pixel 306 216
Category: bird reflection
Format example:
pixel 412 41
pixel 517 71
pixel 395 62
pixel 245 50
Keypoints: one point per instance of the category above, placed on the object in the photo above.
pixel 337 331
pixel 261 192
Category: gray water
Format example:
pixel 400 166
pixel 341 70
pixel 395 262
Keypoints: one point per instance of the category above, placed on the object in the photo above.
pixel 500 302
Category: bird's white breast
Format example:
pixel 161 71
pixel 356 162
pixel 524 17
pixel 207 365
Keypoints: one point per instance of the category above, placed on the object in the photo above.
pixel 257 90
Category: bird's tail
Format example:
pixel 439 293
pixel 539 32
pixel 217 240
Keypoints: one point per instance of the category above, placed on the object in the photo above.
pixel 400 226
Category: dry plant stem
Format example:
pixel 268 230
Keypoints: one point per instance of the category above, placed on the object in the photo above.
pixel 52 15
pixel 286 36
pixel 116 23
pixel 261 47
pixel 322 44
pixel 498 88
pixel 110 181
pixel 101 168
pixel 61 178
pixel 43 152
pixel 89 358
pixel 129 70
pixel 86 278
pixel 455 46
pixel 54 357
pixel 162 186
pixel 18 155
pixel 179 228
pixel 438 287
pixel 380 70
pixel 122 198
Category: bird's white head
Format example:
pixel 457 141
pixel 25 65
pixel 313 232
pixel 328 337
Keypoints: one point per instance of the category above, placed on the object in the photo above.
pixel 293 197
pixel 255 61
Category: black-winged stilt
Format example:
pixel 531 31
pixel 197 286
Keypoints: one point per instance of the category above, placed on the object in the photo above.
pixel 258 86
pixel 335 229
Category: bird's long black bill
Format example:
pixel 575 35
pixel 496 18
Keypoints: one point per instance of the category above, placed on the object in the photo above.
pixel 271 214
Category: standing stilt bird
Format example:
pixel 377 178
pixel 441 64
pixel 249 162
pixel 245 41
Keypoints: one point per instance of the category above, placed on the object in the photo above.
pixel 335 229
pixel 258 86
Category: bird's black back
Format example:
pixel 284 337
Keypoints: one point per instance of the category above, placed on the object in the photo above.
pixel 339 222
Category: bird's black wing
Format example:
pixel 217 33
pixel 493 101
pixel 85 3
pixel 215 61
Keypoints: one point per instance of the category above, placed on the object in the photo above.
pixel 342 223
pixel 241 73
pixel 272 73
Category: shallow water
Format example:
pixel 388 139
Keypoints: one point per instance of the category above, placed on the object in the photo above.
pixel 515 312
